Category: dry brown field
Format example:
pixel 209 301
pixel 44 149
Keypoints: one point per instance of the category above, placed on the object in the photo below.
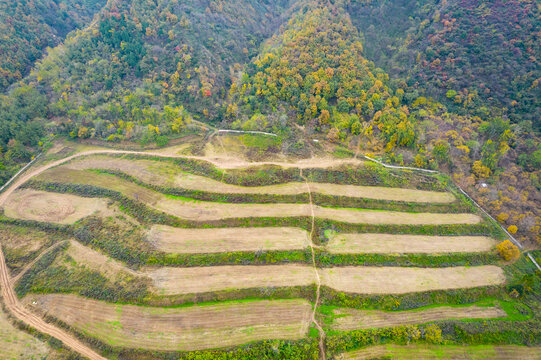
pixel 176 240
pixel 51 207
pixel 209 211
pixel 170 281
pixel 161 173
pixel 96 261
pixel 182 328
pixel 401 280
pixel 402 244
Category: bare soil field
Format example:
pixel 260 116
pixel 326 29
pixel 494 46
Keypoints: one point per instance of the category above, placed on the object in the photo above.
pixel 437 352
pixel 176 240
pixel 353 319
pixel 179 329
pixel 403 244
pixel 161 173
pixel 401 280
pixel 170 281
pixel 16 344
pixel 50 207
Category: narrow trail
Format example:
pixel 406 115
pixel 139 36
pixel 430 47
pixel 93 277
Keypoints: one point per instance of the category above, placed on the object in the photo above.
pixel 318 279
pixel 16 278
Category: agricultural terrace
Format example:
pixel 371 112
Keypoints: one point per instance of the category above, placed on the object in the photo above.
pixel 434 352
pixel 353 319
pixel 190 209
pixel 179 329
pixel 416 244
pixel 149 256
pixel 164 174
pixel 190 241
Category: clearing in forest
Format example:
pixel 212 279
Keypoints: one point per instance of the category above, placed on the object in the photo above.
pixel 162 173
pixel 353 319
pixel 401 280
pixel 182 328
pixel 414 244
pixel 170 281
pixel 44 206
pixel 436 352
pixel 177 240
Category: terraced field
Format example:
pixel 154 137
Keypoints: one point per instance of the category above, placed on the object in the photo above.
pixel 147 256
pixel 181 329
pixel 352 319
pixel 445 352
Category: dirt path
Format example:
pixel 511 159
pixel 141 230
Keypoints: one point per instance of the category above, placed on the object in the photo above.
pixel 18 277
pixel 21 313
pixel 318 279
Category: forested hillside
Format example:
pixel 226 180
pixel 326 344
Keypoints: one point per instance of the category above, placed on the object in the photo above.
pixel 458 90
pixel 28 27
pixel 477 57
pixel 137 72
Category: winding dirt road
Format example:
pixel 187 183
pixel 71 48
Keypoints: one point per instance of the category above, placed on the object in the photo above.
pixel 8 294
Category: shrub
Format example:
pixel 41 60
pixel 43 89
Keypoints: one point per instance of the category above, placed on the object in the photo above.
pixel 508 250
pixel 433 334
pixel 512 229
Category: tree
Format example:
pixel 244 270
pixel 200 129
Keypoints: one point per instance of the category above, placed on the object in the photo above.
pixel 508 251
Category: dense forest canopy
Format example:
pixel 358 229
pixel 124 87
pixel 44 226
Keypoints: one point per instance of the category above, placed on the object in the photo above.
pixel 449 85
pixel 27 27
pixel 477 57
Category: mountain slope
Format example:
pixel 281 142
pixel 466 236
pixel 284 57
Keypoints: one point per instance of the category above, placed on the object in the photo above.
pixel 28 27
pixel 315 70
pixel 471 55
